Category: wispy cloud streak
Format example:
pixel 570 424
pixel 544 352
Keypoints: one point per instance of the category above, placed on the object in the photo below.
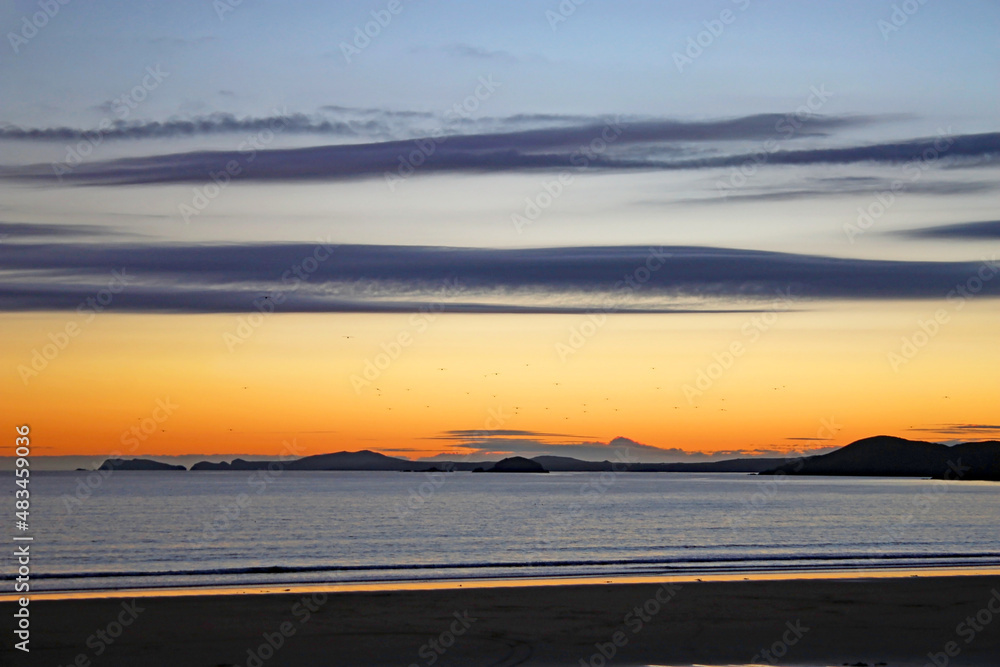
pixel 644 145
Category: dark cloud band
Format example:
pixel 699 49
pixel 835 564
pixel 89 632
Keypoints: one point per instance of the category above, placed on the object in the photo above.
pixel 612 144
pixel 365 278
pixel 968 230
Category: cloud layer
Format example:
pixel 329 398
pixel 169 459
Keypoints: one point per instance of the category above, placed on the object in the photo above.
pixel 33 230
pixel 963 231
pixel 218 123
pixel 366 278
pixel 492 444
pixel 613 144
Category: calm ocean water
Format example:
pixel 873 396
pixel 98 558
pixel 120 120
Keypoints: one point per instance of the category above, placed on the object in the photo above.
pixel 166 529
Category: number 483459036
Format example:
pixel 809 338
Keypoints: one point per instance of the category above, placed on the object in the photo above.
pixel 23 475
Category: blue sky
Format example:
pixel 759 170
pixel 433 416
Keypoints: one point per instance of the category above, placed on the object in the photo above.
pixel 605 57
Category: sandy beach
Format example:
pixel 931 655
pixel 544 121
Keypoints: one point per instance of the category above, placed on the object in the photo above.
pixel 848 619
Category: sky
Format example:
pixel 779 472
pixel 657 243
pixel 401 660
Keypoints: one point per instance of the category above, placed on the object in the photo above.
pixel 691 229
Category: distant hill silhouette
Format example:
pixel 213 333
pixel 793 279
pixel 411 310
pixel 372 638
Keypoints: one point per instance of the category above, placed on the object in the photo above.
pixel 889 456
pixel 568 464
pixel 363 460
pixel 515 464
pixel 137 464
pixel 368 460
pixel 880 456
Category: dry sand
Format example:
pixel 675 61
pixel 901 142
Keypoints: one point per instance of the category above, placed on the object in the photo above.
pixel 895 621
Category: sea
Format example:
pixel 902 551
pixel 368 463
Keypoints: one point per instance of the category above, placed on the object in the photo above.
pixel 122 529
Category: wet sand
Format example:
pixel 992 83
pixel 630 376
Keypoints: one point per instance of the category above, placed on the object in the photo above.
pixel 851 619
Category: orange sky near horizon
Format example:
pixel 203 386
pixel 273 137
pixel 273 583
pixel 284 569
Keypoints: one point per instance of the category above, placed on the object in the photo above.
pixel 819 372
